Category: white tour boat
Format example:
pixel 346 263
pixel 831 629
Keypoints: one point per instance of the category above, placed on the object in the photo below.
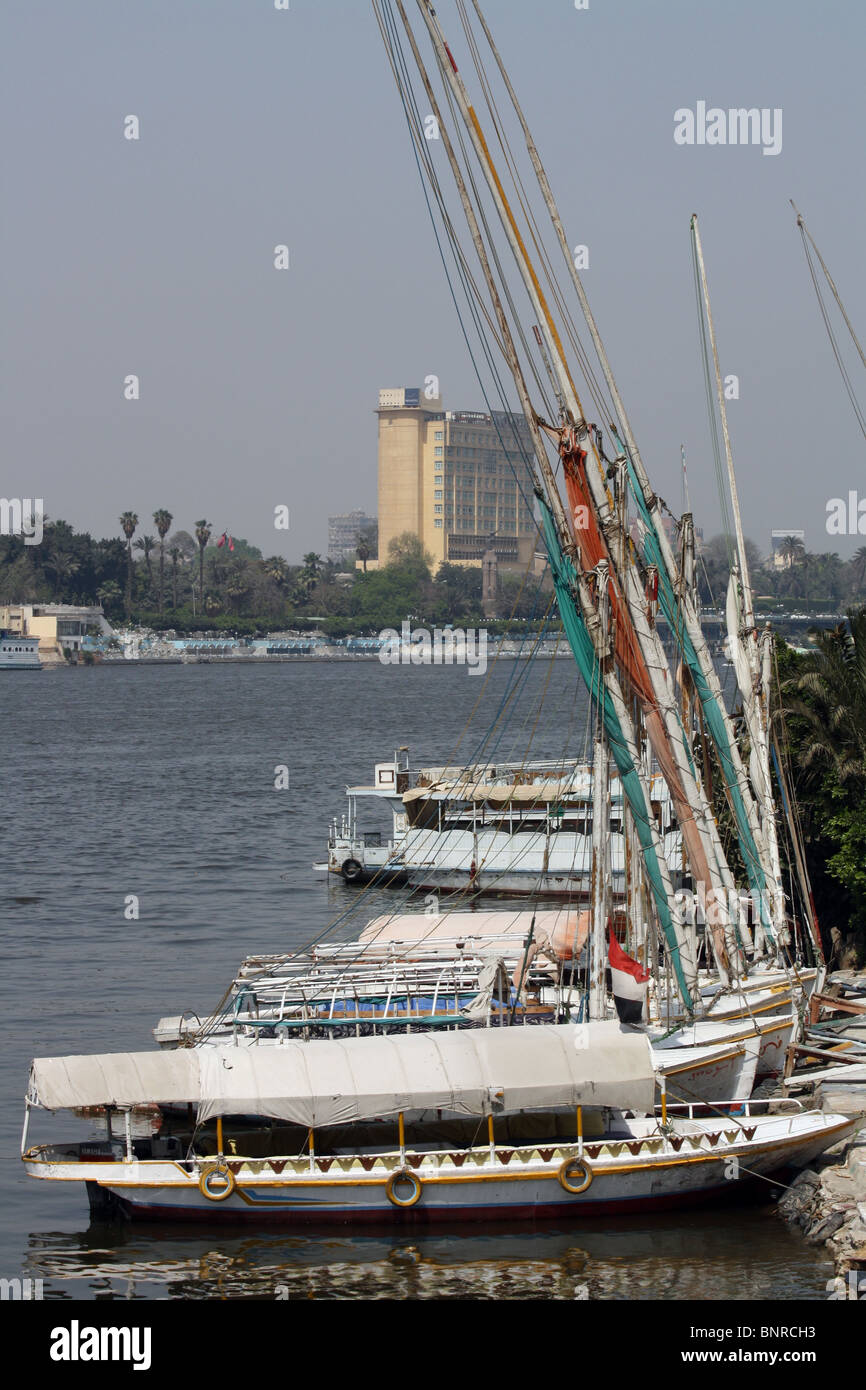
pixel 19 653
pixel 517 1123
pixel 509 828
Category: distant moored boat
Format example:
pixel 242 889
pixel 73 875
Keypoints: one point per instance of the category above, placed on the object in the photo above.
pixel 19 653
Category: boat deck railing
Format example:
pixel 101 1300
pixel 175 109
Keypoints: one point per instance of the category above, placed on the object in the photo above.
pixel 651 1137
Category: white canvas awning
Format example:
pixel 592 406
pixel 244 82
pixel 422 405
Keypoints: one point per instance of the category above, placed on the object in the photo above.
pixel 115 1078
pixel 472 1072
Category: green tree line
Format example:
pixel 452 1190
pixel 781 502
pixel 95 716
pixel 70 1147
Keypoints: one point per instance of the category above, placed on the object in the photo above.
pixel 822 718
pixel 185 580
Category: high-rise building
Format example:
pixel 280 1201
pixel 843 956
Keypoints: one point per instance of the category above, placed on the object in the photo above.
pixel 458 479
pixel 343 533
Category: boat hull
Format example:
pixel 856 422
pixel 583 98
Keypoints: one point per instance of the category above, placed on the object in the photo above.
pixel 774 1033
pixel 700 1163
pixel 704 1073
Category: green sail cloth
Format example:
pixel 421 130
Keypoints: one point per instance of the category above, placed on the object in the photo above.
pixel 565 582
pixel 712 713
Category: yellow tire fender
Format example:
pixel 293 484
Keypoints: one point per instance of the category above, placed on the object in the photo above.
pixel 575 1175
pixel 217 1183
pixel 403 1175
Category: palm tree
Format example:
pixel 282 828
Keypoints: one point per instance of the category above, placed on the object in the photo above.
pixel 831 686
pixel 176 555
pixel 108 593
pixel 362 550
pixel 792 550
pixel 202 535
pixel 162 521
pixel 237 586
pixel 146 544
pixel 276 569
pixel 128 523
pixel 858 572
pixel 63 566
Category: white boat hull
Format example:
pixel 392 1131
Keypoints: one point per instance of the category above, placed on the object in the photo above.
pixel 774 1033
pixel 706 1074
pixel 697 1161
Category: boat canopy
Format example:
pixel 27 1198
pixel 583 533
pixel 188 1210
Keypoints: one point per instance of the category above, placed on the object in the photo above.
pixel 114 1078
pixel 474 1072
pixel 562 930
pixel 542 792
pixel 522 793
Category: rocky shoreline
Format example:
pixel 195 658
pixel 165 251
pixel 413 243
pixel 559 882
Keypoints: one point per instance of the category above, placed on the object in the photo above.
pixel 828 1200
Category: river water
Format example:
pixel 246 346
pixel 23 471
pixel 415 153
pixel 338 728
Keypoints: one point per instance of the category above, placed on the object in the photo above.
pixel 158 783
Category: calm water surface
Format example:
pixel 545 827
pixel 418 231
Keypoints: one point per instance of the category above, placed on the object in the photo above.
pixel 159 782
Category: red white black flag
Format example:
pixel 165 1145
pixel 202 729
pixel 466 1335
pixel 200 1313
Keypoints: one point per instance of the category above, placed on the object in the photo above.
pixel 629 981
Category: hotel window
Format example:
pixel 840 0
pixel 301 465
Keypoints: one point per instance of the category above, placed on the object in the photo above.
pixel 439 435
pixel 438 480
pixel 438 522
pixel 437 510
pixel 439 451
pixel 438 496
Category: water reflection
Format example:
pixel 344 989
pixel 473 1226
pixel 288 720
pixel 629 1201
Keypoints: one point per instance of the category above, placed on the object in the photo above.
pixel 706 1259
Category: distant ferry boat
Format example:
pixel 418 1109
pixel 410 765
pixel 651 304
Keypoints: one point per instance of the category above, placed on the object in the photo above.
pixel 19 653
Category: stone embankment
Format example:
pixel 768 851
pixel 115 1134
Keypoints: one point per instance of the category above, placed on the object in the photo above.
pixel 828 1200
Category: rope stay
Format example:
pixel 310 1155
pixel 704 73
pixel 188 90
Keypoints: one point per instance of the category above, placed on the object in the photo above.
pixel 808 241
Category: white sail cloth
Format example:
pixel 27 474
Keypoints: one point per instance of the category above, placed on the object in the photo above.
pixel 748 681
pixel 473 1072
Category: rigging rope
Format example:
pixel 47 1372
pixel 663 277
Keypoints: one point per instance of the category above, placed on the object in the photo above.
pixel 846 379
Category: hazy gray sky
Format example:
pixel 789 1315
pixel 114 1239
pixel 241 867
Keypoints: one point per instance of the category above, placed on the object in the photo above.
pixel 260 127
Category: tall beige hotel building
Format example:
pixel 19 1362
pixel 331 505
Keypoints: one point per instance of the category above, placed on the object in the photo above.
pixel 457 479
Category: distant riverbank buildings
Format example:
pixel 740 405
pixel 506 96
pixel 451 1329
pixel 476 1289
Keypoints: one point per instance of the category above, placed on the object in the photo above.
pixel 62 628
pixel 460 480
pixel 344 533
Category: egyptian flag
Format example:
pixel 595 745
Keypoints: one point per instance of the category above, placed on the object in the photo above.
pixel 225 538
pixel 628 980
